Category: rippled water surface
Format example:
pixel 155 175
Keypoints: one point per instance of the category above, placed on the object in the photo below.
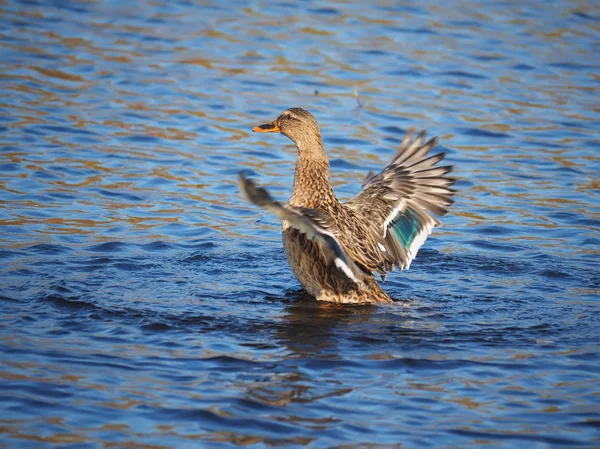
pixel 144 303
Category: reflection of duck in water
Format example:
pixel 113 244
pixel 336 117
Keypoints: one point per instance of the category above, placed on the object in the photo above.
pixel 334 248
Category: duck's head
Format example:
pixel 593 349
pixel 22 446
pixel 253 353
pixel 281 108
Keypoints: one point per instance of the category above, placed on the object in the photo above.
pixel 296 123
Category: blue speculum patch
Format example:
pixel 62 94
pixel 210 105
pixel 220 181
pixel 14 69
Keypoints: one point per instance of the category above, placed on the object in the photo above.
pixel 405 227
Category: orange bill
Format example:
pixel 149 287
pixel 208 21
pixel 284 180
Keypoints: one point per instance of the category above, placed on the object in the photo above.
pixel 266 128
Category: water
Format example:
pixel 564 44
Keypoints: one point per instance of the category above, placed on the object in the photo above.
pixel 146 304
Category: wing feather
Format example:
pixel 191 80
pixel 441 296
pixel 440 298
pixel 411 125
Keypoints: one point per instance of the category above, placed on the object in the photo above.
pixel 400 202
pixel 314 223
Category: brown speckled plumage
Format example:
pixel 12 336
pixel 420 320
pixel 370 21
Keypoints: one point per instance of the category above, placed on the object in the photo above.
pixel 334 248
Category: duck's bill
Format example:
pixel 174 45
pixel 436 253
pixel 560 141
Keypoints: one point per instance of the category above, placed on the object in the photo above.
pixel 266 128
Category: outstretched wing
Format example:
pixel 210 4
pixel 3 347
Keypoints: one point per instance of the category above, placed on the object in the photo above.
pixel 399 203
pixel 316 224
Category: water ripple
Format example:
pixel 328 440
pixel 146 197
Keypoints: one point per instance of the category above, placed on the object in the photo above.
pixel 146 303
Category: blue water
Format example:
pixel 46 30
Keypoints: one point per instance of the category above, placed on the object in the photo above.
pixel 145 303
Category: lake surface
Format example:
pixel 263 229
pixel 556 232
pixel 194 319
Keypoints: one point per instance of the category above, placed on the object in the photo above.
pixel 145 303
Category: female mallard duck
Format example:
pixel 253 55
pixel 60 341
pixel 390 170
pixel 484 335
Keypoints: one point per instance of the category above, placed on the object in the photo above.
pixel 335 248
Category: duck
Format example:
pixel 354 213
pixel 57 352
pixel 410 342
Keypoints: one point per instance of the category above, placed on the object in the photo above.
pixel 335 249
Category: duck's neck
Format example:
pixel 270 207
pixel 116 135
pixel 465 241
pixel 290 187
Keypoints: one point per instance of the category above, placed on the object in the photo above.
pixel 312 187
